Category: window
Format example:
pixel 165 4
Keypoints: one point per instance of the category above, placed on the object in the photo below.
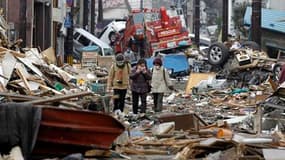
pixel 75 36
pixel 84 41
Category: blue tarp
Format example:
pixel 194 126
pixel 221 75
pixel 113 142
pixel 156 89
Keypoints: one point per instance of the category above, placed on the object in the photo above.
pixel 177 62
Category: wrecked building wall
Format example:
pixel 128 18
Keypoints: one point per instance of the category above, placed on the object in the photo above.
pixel 272 42
pixel 34 32
pixel 42 32
pixel 20 15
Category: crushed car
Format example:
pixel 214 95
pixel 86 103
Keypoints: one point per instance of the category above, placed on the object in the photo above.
pixel 241 62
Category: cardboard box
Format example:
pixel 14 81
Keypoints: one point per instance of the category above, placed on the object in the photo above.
pixel 89 59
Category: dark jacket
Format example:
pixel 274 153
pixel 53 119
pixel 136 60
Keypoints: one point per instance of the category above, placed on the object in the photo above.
pixel 139 81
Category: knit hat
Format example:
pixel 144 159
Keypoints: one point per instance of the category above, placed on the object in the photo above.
pixel 120 57
pixel 158 61
pixel 141 61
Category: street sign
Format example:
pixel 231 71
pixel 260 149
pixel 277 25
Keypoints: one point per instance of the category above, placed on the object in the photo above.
pixel 68 21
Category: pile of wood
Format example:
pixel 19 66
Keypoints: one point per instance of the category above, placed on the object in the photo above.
pixel 208 142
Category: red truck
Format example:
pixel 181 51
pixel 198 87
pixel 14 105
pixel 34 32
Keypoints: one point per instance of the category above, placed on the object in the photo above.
pixel 150 31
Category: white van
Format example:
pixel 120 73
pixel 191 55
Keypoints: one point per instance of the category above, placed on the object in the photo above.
pixel 108 34
pixel 82 38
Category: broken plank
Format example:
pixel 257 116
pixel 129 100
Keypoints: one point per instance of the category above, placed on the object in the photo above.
pixel 15 53
pixel 51 89
pixel 30 65
pixel 98 153
pixel 59 98
pixel 8 64
pixel 20 74
pixel 19 96
pixel 144 151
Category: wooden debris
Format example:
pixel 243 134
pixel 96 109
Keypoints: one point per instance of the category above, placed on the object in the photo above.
pixel 28 88
pixel 144 151
pixel 59 98
pixel 98 153
pixel 15 53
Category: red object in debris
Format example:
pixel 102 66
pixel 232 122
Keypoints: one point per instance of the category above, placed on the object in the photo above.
pixel 151 31
pixel 164 17
pixel 64 131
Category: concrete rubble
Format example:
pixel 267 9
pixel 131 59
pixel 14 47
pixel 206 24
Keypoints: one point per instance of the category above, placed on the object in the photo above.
pixel 209 116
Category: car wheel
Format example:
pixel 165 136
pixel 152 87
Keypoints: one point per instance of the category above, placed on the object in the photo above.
pixel 218 54
pixel 276 71
pixel 112 37
pixel 250 44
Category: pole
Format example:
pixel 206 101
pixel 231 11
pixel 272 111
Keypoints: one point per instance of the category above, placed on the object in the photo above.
pixel 256 21
pixel 69 37
pixel 225 26
pixel 85 14
pixel 100 10
pixel 197 23
pixel 141 5
pixel 92 17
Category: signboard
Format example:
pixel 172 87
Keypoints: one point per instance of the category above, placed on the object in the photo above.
pixel 68 21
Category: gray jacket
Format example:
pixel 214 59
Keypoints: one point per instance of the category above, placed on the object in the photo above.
pixel 160 82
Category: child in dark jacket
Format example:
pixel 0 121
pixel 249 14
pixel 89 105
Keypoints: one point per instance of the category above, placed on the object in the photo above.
pixel 140 77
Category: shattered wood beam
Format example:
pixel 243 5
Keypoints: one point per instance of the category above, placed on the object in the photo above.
pixel 70 104
pixel 29 98
pixel 144 151
pixel 21 75
pixel 15 53
pixel 59 98
pixel 171 143
pixel 18 97
pixel 51 89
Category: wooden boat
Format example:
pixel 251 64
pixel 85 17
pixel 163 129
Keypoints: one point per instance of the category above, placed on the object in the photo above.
pixel 64 131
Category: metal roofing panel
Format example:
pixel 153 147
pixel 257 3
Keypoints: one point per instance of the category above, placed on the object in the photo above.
pixel 270 19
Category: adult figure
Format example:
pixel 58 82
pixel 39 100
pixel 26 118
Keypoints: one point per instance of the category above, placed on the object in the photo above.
pixel 140 78
pixel 118 80
pixel 160 83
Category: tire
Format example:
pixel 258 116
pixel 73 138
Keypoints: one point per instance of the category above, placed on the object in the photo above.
pixel 276 71
pixel 112 37
pixel 250 44
pixel 218 54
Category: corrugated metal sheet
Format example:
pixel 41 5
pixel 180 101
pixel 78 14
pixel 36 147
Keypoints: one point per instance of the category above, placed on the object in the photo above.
pixel 271 19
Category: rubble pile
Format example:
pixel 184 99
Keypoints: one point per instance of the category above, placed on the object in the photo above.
pixel 236 113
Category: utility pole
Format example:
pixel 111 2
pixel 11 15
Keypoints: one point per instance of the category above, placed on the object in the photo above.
pixel 197 23
pixel 92 17
pixel 69 37
pixel 190 13
pixel 85 14
pixel 141 5
pixel 23 22
pixel 256 21
pixel 225 26
pixel 100 10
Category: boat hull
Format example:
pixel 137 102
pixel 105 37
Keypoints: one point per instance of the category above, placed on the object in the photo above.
pixel 64 131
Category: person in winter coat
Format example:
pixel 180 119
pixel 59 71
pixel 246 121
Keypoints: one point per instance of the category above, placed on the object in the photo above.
pixel 160 83
pixel 118 80
pixel 140 77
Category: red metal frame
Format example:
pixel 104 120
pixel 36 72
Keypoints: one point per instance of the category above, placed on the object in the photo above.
pixel 163 34
pixel 63 130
